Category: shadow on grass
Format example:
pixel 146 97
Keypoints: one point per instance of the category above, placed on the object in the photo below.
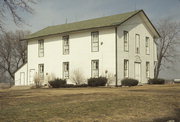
pixel 175 118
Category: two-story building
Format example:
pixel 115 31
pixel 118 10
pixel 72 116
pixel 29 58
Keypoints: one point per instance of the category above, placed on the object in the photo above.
pixel 122 45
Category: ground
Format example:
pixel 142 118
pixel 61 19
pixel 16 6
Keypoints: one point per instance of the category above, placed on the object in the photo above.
pixel 140 103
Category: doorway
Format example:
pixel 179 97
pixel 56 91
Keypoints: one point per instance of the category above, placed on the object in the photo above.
pixel 137 71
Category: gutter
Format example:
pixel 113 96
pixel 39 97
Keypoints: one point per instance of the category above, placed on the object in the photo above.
pixel 116 56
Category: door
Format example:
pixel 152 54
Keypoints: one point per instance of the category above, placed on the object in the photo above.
pixel 22 78
pixel 31 76
pixel 137 71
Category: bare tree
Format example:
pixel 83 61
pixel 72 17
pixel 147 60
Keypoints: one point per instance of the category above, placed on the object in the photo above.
pixel 77 77
pixel 12 51
pixel 166 51
pixel 13 9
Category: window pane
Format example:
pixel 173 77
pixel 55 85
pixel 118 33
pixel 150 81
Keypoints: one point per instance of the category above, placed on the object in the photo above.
pixel 41 71
pixel 126 68
pixel 65 44
pixel 137 45
pixel 95 68
pixel 147 45
pixel 147 69
pixel 95 41
pixel 66 69
pixel 41 48
pixel 126 39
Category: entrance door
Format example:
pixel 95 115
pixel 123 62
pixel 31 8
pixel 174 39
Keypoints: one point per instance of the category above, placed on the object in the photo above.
pixel 22 78
pixel 137 71
pixel 31 76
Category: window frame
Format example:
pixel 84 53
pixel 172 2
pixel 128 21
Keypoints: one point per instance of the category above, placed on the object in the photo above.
pixel 65 38
pixel 137 51
pixel 94 69
pixel 64 70
pixel 126 47
pixel 126 69
pixel 147 45
pixel 93 42
pixel 40 48
pixel 41 77
pixel 147 69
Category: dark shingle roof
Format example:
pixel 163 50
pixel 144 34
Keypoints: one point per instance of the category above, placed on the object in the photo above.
pixel 82 25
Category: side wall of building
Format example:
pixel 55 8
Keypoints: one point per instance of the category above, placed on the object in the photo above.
pixel 79 57
pixel 134 26
pixel 21 76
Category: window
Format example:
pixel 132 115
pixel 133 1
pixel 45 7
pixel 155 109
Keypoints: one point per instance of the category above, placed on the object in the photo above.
pixel 137 45
pixel 147 45
pixel 41 48
pixel 65 70
pixel 126 68
pixel 147 69
pixel 126 41
pixel 65 45
pixel 95 68
pixel 41 71
pixel 95 41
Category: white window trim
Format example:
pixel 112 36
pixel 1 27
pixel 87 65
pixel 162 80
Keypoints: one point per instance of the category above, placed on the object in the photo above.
pixel 94 42
pixel 137 46
pixel 147 69
pixel 92 70
pixel 64 72
pixel 126 46
pixel 39 71
pixel 126 69
pixel 65 38
pixel 147 45
pixel 41 49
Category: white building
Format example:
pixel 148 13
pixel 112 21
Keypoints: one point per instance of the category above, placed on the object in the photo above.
pixel 122 45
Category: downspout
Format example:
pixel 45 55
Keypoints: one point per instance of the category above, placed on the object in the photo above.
pixel 116 56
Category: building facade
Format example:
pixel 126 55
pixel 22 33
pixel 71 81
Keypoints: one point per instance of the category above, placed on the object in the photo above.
pixel 118 46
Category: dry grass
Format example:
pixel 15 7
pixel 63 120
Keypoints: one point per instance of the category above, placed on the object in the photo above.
pixel 141 103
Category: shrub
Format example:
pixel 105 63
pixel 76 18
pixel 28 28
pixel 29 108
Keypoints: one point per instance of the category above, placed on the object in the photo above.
pixel 156 81
pixel 77 77
pixel 57 83
pixel 82 85
pixel 129 82
pixel 74 86
pixel 37 81
pixel 101 81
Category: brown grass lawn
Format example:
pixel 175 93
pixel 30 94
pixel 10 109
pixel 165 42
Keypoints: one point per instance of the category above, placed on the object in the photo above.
pixel 140 103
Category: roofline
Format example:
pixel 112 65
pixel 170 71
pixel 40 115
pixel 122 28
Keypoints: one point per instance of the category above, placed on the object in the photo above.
pixel 19 68
pixel 151 23
pixel 69 32
pixel 100 27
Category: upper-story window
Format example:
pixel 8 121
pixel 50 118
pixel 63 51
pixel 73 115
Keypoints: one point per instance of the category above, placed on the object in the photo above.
pixel 65 70
pixel 126 41
pixel 95 68
pixel 95 41
pixel 147 69
pixel 147 45
pixel 126 68
pixel 137 43
pixel 41 48
pixel 65 45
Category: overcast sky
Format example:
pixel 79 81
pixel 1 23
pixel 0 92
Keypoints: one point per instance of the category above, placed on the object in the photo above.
pixel 54 12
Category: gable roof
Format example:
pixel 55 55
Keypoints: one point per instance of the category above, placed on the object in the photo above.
pixel 107 21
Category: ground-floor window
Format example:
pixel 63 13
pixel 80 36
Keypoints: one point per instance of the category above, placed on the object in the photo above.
pixel 147 69
pixel 65 70
pixel 95 68
pixel 41 71
pixel 126 68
